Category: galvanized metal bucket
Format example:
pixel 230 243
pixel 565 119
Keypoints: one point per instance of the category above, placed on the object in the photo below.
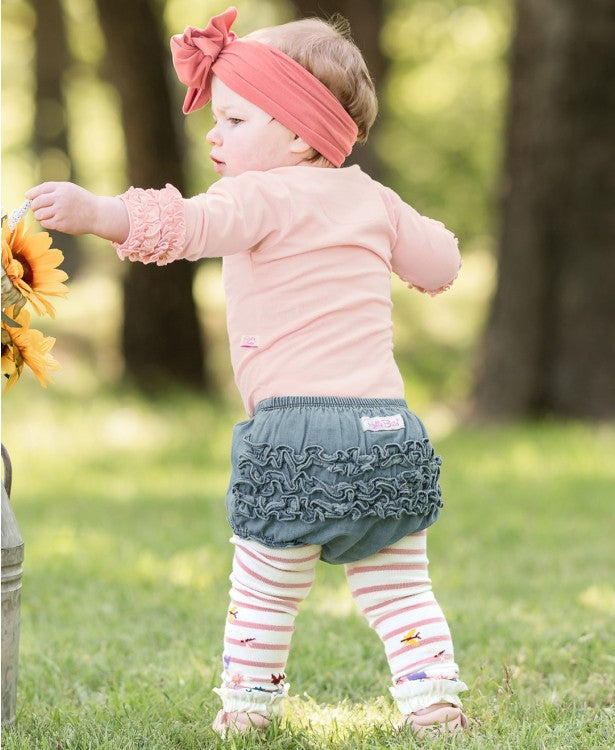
pixel 12 562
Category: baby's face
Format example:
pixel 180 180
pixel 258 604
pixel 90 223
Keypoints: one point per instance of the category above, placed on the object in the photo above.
pixel 244 137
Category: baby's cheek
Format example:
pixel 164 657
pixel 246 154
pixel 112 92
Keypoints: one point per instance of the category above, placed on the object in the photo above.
pixel 248 155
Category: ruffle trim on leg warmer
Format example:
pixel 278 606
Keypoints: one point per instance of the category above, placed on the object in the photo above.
pixel 418 694
pixel 260 702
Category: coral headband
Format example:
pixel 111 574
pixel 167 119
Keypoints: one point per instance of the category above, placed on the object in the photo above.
pixel 266 77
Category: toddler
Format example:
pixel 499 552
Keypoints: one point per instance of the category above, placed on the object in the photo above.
pixel 331 464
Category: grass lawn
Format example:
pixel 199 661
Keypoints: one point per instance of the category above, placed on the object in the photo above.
pixel 126 576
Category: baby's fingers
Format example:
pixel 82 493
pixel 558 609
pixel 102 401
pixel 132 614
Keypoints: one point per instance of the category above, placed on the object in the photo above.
pixel 44 208
pixel 43 201
pixel 43 189
pixel 43 215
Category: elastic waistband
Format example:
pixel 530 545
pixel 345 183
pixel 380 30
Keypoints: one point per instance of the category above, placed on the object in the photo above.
pixel 285 402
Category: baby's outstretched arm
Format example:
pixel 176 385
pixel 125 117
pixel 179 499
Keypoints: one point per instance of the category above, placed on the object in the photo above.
pixel 69 208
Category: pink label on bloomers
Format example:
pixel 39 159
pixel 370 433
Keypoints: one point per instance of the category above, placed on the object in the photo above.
pixel 249 342
pixel 375 424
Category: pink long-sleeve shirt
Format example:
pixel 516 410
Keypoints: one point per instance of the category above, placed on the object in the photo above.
pixel 307 260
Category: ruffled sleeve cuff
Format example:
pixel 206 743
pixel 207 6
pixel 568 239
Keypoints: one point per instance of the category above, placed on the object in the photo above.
pixel 157 226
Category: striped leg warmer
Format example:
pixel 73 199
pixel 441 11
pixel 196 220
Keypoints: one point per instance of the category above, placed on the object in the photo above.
pixel 393 590
pixel 267 587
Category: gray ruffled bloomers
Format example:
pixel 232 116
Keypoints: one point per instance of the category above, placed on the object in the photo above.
pixel 353 475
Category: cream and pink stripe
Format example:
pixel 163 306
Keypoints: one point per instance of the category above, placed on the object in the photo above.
pixel 397 599
pixel 392 589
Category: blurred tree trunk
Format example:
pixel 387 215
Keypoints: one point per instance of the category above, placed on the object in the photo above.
pixel 161 336
pixel 50 121
pixel 549 344
pixel 366 19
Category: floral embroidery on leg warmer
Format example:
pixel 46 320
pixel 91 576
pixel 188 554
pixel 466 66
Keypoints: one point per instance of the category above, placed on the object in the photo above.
pixel 393 590
pixel 267 588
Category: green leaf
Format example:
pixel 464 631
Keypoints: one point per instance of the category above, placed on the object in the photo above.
pixel 9 321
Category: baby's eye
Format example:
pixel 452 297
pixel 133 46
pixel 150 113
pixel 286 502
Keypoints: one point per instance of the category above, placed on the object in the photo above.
pixel 235 120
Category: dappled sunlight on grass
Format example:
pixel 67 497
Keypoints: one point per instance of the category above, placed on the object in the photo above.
pixel 118 422
pixel 194 569
pixel 332 601
pixel 64 544
pixel 600 599
pixel 86 550
pixel 545 451
pixel 340 721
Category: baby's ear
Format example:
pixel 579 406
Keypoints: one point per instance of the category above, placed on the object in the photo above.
pixel 299 146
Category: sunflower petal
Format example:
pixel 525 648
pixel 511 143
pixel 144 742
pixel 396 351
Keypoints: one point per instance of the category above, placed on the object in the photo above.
pixel 27 346
pixel 31 265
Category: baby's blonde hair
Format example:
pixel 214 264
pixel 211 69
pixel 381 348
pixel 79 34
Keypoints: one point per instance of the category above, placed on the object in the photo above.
pixel 327 51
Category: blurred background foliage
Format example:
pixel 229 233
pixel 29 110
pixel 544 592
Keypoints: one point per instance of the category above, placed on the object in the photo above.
pixel 440 109
pixel 494 118
pixel 438 144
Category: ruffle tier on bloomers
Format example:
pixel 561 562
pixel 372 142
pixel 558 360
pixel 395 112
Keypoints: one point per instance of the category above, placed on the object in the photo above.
pixel 353 475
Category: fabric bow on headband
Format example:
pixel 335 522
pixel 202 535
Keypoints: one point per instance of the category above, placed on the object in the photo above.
pixel 195 51
pixel 266 77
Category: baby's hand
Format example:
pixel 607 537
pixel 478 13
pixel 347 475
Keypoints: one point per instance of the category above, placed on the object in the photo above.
pixel 69 208
pixel 63 206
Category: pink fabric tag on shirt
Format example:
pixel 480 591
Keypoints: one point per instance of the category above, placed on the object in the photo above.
pixel 376 424
pixel 249 342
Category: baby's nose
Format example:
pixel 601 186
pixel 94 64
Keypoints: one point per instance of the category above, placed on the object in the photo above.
pixel 213 136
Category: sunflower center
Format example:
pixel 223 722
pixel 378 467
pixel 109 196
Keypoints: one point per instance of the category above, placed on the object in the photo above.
pixel 28 274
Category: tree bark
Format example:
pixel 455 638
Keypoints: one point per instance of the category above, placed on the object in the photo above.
pixel 161 339
pixel 50 122
pixel 549 343
pixel 366 20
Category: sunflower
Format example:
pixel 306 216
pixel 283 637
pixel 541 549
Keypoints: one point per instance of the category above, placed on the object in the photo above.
pixel 31 264
pixel 24 345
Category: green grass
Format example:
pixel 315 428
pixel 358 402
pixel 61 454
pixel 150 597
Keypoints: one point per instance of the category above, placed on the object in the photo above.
pixel 126 576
